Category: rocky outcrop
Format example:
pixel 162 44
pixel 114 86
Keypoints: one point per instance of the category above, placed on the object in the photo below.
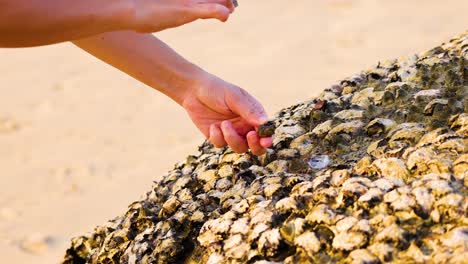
pixel 374 170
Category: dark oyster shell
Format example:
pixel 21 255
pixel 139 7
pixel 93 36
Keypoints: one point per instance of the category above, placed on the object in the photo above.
pixel 267 129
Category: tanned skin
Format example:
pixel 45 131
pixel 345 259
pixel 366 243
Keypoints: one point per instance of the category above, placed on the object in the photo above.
pixel 119 33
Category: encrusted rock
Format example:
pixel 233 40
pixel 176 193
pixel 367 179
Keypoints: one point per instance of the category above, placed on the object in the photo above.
pixel 372 171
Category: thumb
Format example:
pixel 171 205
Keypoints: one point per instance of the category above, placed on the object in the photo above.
pixel 245 105
pixel 209 10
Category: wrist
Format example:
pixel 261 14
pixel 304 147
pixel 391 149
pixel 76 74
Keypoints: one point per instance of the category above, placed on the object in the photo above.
pixel 189 85
pixel 180 81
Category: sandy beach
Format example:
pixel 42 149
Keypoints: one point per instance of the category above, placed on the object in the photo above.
pixel 79 140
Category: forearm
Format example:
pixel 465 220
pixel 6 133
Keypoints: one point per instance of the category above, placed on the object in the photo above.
pixel 224 113
pixel 147 59
pixel 40 22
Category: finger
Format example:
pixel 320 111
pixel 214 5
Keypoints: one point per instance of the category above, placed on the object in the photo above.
pixel 216 136
pixel 266 142
pixel 241 126
pixel 236 142
pixel 254 144
pixel 210 10
pixel 211 2
pixel 245 105
pixel 230 5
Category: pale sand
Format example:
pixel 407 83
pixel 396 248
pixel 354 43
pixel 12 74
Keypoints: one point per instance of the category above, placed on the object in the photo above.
pixel 79 140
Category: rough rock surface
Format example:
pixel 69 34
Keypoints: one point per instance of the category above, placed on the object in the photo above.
pixel 374 170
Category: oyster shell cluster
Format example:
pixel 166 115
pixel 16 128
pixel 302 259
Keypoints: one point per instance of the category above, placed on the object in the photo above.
pixel 374 170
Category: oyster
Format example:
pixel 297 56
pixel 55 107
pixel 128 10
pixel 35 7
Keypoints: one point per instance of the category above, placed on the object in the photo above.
pixel 267 129
pixel 372 171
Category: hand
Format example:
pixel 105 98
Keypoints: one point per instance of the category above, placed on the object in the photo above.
pixel 156 15
pixel 227 115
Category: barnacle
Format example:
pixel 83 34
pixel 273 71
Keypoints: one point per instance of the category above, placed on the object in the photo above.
pixel 374 170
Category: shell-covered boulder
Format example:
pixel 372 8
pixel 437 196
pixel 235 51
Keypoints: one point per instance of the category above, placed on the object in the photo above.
pixel 374 170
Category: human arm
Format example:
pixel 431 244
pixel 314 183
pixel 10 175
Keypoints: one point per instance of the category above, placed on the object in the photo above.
pixel 223 112
pixel 26 23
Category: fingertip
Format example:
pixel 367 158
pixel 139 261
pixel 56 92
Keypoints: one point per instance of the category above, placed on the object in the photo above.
pixel 241 150
pixel 266 142
pixel 223 13
pixel 222 18
pixel 216 11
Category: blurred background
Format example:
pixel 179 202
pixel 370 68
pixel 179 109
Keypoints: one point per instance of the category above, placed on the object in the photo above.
pixel 79 140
